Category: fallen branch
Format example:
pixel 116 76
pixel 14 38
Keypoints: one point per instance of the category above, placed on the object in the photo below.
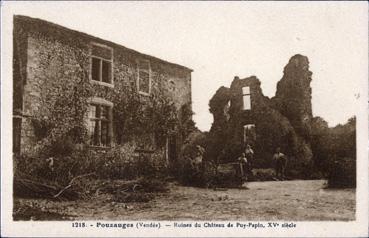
pixel 27 187
pixel 71 183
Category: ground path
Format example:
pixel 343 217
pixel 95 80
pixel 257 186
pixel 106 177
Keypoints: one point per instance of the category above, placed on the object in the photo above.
pixel 275 200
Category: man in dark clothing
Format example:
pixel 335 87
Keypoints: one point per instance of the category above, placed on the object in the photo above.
pixel 243 167
pixel 280 163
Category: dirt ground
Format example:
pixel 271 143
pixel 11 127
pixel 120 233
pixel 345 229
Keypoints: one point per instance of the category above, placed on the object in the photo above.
pixel 276 200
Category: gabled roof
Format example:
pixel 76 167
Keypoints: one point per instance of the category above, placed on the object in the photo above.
pixel 42 26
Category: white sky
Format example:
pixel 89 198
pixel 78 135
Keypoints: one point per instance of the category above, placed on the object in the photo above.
pixel 219 40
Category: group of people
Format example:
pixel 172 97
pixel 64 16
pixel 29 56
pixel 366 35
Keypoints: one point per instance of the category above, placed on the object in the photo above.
pixel 246 163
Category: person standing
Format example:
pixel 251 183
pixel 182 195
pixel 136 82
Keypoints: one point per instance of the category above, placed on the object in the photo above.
pixel 249 153
pixel 280 163
pixel 243 167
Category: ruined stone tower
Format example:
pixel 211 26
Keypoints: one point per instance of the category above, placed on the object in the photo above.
pixel 283 121
pixel 293 96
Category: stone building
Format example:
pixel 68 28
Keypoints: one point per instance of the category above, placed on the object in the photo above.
pixel 49 56
pixel 243 115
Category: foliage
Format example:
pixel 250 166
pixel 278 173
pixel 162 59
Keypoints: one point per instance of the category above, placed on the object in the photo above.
pixel 60 72
pixel 197 175
pixel 189 147
pixel 163 118
pixel 118 163
pixel 189 172
pixel 135 115
pixel 127 114
pixel 59 120
pixel 63 98
pixel 342 173
pixel 55 170
pixel 60 77
pixel 186 124
pixel 335 151
pixel 123 162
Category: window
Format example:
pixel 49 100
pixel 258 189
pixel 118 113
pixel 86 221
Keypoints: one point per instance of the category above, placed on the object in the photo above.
pixel 144 77
pixel 100 124
pixel 249 134
pixel 246 98
pixel 102 64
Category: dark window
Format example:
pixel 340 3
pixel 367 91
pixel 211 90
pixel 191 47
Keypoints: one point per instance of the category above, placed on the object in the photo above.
pixel 106 71
pixel 101 66
pixel 96 69
pixel 100 125
pixel 249 134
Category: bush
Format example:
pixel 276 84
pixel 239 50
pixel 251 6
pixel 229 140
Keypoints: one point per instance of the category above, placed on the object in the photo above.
pixel 342 173
pixel 117 163
pixel 335 152
pixel 226 177
pixel 54 170
pixel 125 163
pixel 190 174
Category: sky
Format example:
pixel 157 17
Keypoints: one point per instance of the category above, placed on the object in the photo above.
pixel 220 40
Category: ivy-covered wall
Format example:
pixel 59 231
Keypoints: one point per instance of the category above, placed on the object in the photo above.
pixel 282 121
pixel 56 89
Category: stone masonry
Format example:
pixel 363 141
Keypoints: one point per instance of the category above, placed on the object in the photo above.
pixel 282 121
pixel 36 42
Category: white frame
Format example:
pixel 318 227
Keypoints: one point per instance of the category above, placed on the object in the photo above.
pixel 111 62
pixel 138 77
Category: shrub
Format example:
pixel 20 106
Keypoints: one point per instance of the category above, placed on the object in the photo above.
pixel 335 152
pixel 57 170
pixel 121 162
pixel 115 163
pixel 342 173
pixel 190 174
pixel 124 162
pixel 226 176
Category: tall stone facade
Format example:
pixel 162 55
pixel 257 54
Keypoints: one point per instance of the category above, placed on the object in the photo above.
pixel 265 123
pixel 293 96
pixel 49 56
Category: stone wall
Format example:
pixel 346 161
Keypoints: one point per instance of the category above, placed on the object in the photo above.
pixel 53 52
pixel 282 121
